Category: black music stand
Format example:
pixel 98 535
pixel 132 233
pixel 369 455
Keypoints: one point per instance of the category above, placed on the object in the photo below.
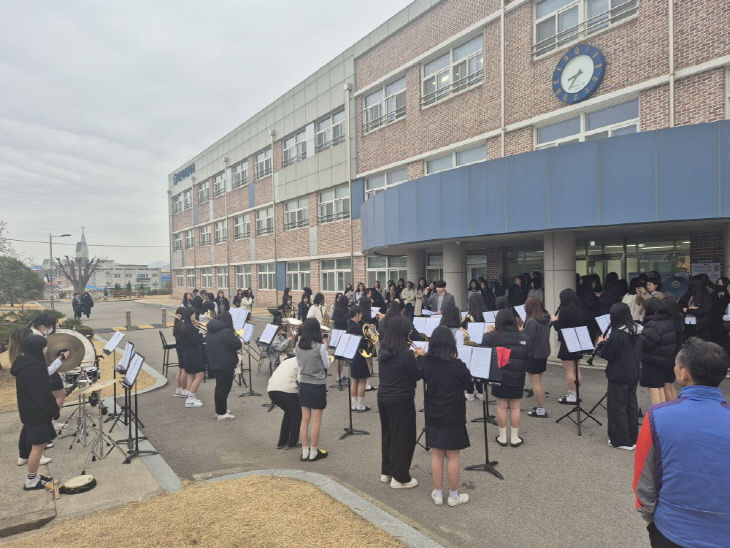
pixel 128 384
pixel 487 466
pixel 577 408
pixel 114 416
pixel 423 435
pixel 349 430
pixel 251 391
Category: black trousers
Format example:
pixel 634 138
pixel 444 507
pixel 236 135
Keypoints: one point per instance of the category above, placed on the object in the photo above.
pixel 77 314
pixel 292 419
pixel 623 414
pixel 657 539
pixel 24 445
pixel 223 383
pixel 398 436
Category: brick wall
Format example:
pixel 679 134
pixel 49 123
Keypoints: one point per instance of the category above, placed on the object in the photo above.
pixel 700 98
pixel 700 31
pixel 495 263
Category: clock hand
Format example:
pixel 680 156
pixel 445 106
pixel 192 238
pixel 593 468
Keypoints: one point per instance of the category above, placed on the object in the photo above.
pixel 572 78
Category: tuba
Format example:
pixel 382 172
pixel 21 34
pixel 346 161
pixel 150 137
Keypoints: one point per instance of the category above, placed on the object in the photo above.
pixel 371 339
pixel 292 326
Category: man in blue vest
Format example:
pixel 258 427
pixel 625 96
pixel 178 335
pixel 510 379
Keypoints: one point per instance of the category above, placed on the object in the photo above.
pixel 681 477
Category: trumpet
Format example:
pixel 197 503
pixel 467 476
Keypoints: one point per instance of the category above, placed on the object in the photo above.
pixel 371 338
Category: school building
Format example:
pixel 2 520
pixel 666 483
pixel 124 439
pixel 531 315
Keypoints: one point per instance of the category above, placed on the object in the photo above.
pixel 477 137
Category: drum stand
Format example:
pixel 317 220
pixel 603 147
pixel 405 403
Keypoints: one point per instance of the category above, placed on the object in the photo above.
pixel 136 452
pixel 349 430
pixel 82 433
pixel 577 409
pixel 97 450
pixel 250 382
pixel 488 466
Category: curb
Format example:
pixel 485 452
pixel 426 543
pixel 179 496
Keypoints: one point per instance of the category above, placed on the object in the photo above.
pixel 367 510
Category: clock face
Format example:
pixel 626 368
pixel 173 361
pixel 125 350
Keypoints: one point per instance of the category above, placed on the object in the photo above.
pixel 578 73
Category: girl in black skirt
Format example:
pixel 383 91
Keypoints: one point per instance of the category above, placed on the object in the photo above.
pixel 190 342
pixel 446 378
pixel 569 315
pixel 359 370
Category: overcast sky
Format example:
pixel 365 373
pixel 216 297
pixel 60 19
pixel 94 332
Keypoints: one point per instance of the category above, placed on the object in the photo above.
pixel 100 101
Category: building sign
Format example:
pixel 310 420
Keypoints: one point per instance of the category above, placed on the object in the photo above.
pixel 183 173
pixel 713 270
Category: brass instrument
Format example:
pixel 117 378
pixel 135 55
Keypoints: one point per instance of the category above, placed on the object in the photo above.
pixel 292 326
pixel 178 317
pixel 371 338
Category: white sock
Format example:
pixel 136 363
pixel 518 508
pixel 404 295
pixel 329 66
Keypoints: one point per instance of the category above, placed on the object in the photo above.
pixel 503 434
pixel 191 395
pixel 453 495
pixel 178 390
pixel 353 403
pixel 32 480
pixel 305 452
pixel 515 435
pixel 361 405
pixel 571 395
pixel 438 493
pixel 313 453
pixel 540 410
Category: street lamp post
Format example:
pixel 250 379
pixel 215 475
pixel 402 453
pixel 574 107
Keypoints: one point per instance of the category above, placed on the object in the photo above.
pixel 53 267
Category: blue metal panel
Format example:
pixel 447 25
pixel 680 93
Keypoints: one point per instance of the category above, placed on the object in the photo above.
pixel 627 179
pixel 454 199
pixel 486 207
pixel 429 208
pixel 280 275
pixel 410 213
pixel 573 186
pixel 196 219
pixel 527 204
pixel 688 172
pixel 724 147
pixel 357 196
pixel 391 221
pixel 378 208
pixel 251 195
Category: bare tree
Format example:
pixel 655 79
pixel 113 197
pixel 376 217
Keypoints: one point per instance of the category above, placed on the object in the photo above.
pixel 78 270
pixel 6 249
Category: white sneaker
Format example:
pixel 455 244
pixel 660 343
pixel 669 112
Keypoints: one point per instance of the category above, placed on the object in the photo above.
pixel 384 478
pixel 624 447
pixel 226 417
pixel 49 445
pixel 469 397
pixel 438 499
pixel 193 403
pixel 463 499
pixel 44 460
pixel 180 393
pixel 228 411
pixel 479 396
pixel 395 484
pixel 58 425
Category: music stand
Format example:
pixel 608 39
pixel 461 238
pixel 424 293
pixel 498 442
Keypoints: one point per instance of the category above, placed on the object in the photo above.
pixel 346 349
pixel 334 338
pixel 425 446
pixel 488 465
pixel 129 381
pixel 120 367
pixel 249 332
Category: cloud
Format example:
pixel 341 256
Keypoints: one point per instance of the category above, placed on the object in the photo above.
pixel 101 100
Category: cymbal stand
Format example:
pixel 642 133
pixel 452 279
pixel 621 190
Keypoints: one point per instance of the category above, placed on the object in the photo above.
pixel 97 450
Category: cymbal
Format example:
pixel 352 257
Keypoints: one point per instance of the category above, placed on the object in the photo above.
pixel 95 386
pixel 76 348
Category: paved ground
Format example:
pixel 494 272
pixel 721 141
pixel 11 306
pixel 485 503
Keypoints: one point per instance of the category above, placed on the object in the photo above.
pixel 559 489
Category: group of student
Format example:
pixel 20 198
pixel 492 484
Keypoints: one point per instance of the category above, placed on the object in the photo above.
pixel 204 301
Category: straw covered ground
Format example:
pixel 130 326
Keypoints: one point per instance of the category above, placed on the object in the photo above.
pixel 252 511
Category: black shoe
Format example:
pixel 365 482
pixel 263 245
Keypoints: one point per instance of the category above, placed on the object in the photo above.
pixel 564 400
pixel 281 446
pixel 303 458
pixel 533 413
pixel 365 409
pixel 518 443
pixel 321 454
pixel 500 443
pixel 42 482
pixel 529 393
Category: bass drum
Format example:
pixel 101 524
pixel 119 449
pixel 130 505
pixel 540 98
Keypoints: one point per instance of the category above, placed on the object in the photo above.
pixel 78 484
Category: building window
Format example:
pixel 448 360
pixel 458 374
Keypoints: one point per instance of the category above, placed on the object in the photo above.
pixel 221 275
pixel 177 204
pixel 297 275
pixel 267 276
pixel 219 184
pixel 295 148
pixel 456 159
pixel 190 274
pixel 476 266
pixel 330 131
pixel 177 241
pixel 203 192
pixel 117 275
pixel 243 276
pixel 265 221
pixel 620 119
pixel 296 213
pixel 178 278
pixel 440 164
pixel 242 226
pixel 434 268
pixel 189 239
pixel 334 204
pixel 240 174
pixel 335 274
pixel 221 231
pixel 206 277
pixel 558 22
pixel 204 235
pixel 379 182
pixel 461 68
pixel 187 198
pixel 263 163
pixel 384 106
pixel 384 269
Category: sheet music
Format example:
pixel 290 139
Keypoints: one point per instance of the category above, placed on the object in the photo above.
pixel 373 313
pixel 490 316
pixel 247 332
pixel 465 353
pixel 113 342
pixel 268 335
pixel 521 312
pixel 421 344
pixel 135 365
pixel 459 336
pixel 463 315
pixel 352 345
pixel 419 324
pixel 480 364
pixel 577 339
pixel 603 322
pixel 341 344
pixel 426 312
pixel 476 331
pixel 584 338
pixel 690 320
pixel 124 362
pixel 335 337
pixel 431 324
pixel 374 310
pixel 239 316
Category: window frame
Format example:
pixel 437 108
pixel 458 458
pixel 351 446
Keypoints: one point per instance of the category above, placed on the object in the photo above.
pixel 264 166
pixel 177 241
pixel 177 203
pixel 244 231
pixel 187 198
pixel 454 87
pixel 206 277
pixel 267 276
pixel 334 215
pixel 204 235
pixel 189 272
pixel 265 225
pixel 203 192
pixel 294 147
pixel 240 174
pixel 454 156
pixel 299 217
pixel 220 231
pixel 388 181
pixel 337 277
pixel 385 116
pixel 219 184
pixel 179 278
pixel 221 273
pixel 243 274
pixel 333 134
pixel 298 275
pixel 189 239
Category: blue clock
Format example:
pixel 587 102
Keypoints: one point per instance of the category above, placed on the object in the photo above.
pixel 578 73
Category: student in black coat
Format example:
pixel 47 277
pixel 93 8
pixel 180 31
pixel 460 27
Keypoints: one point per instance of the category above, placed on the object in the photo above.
pixel 36 405
pixel 399 372
pixel 209 305
pixel 537 331
pixel 181 377
pixel 88 304
pixel 516 292
pixel 697 306
pixel 660 346
pixel 569 314
pixel 222 303
pixel 359 371
pixel 622 351
pixel 446 378
pixel 190 342
pixel 487 294
pixel 222 347
pixel 196 303
pixel 510 345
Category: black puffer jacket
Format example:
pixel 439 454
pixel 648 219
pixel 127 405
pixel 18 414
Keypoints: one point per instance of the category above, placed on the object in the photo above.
pixel 446 381
pixel 222 346
pixel 36 404
pixel 398 374
pixel 513 374
pixel 622 351
pixel 660 342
